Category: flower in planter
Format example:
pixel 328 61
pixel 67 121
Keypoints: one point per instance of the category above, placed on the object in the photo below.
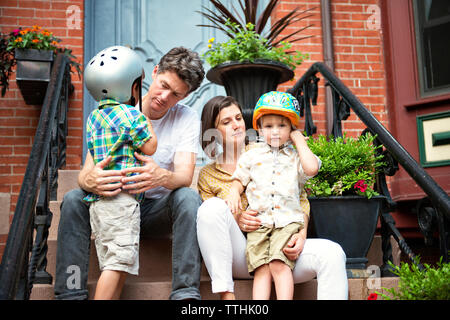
pixel 32 38
pixel 29 38
pixel 349 166
pixel 249 39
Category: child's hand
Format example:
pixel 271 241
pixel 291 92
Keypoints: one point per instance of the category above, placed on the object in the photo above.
pixel 296 135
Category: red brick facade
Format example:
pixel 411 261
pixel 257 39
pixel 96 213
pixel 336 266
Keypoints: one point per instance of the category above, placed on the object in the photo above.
pixel 358 56
pixel 18 121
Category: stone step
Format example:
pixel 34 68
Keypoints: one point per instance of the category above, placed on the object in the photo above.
pixel 155 260
pixel 359 289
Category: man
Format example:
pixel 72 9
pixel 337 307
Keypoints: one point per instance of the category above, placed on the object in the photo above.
pixel 169 205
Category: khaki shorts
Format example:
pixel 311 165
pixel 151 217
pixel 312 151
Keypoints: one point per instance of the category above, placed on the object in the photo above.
pixel 266 244
pixel 115 223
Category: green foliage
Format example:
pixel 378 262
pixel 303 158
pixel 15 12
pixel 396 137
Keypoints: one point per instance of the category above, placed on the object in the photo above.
pixel 415 284
pixel 6 64
pixel 349 166
pixel 247 45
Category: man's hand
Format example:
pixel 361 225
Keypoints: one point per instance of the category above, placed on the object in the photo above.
pixel 93 178
pixel 149 176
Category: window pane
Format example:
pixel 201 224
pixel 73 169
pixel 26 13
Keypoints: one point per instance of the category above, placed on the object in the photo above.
pixel 433 44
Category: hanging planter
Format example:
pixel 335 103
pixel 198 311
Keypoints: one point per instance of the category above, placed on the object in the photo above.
pixel 32 49
pixel 246 82
pixel 33 74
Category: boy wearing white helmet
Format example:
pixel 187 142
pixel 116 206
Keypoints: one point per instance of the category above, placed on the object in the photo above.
pixel 274 172
pixel 116 129
pixel 169 207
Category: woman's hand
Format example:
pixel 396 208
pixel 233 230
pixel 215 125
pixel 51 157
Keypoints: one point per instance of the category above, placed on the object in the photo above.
pixel 248 221
pixel 295 245
pixel 233 200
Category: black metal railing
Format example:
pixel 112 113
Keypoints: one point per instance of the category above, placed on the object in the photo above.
pixel 306 91
pixel 24 260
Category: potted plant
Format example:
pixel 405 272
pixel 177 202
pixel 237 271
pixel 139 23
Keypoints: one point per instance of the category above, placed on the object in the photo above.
pixel 344 204
pixel 32 49
pixel 253 61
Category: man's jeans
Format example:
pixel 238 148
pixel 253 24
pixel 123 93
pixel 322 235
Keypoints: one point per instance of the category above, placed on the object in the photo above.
pixel 174 213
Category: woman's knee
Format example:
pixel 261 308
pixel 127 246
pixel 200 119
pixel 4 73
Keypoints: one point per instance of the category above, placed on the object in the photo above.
pixel 211 210
pixel 331 252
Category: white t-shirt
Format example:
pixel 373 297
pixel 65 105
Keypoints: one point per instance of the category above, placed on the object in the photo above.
pixel 177 131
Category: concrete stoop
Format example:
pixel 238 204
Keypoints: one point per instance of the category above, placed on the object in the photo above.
pixel 154 280
pixel 134 289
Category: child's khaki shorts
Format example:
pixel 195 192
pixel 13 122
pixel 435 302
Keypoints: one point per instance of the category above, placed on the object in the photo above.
pixel 266 244
pixel 115 223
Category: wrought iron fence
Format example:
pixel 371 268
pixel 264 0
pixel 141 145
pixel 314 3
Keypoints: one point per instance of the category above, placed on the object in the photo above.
pixel 24 260
pixel 436 205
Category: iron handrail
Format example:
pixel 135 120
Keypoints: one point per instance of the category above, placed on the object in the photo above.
pixel 437 195
pixel 39 175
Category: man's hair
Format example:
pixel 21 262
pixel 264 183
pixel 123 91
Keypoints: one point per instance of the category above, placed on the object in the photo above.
pixel 186 64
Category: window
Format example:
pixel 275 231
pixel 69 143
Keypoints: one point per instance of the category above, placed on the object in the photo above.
pixel 432 24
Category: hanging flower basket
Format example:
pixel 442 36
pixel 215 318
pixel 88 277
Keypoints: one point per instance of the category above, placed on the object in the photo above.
pixel 33 74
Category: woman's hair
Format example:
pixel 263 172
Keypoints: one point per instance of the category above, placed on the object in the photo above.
pixel 209 115
pixel 186 64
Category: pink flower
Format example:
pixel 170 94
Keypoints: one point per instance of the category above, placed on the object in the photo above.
pixel 16 32
pixel 361 185
pixel 372 296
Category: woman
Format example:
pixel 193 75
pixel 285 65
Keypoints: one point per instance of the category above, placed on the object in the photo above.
pixel 220 234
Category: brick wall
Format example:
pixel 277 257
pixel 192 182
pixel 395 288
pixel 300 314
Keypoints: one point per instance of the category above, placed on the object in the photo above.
pixel 358 55
pixel 18 121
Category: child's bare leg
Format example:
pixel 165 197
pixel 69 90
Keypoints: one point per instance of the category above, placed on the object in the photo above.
pixel 123 277
pixel 227 295
pixel 109 285
pixel 284 281
pixel 262 283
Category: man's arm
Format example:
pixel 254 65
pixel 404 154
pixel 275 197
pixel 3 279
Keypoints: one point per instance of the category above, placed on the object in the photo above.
pixel 151 175
pixel 92 178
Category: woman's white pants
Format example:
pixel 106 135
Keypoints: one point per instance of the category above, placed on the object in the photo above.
pixel 222 245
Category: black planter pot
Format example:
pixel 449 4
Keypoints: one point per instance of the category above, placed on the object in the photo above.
pixel 246 82
pixel 350 221
pixel 33 74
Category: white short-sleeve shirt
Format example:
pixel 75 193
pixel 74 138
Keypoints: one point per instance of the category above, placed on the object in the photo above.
pixel 177 131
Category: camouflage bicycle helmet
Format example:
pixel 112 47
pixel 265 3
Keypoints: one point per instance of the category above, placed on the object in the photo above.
pixel 276 102
pixel 111 73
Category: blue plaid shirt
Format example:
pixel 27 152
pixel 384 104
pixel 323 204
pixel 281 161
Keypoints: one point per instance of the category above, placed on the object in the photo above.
pixel 117 130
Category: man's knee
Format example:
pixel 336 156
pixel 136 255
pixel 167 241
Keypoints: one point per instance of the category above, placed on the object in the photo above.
pixel 186 197
pixel 187 201
pixel 73 207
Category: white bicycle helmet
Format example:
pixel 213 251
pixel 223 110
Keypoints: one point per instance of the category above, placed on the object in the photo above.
pixel 111 73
